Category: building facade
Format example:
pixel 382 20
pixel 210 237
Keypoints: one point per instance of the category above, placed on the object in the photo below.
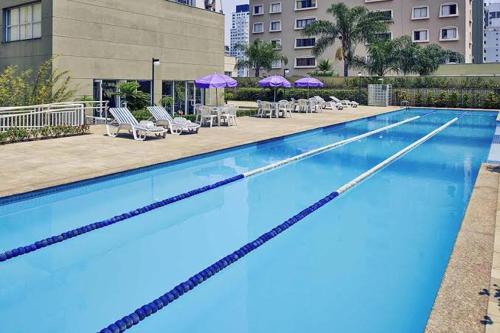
pixel 240 22
pixel 491 31
pixel 444 22
pixel 102 44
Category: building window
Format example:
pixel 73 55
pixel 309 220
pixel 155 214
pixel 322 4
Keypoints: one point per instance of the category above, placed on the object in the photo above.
pixel 276 44
pixel 386 15
pixel 23 22
pixel 420 36
pixel 305 62
pixel 275 26
pixel 276 64
pixel 258 10
pixel 420 13
pixel 302 43
pixel 302 23
pixel 449 9
pixel 305 4
pixel 258 28
pixel 275 8
pixel 449 33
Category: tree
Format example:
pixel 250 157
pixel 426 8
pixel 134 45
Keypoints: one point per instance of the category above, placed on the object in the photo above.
pixel 47 85
pixel 136 99
pixel 430 57
pixel 259 55
pixel 351 26
pixel 382 57
pixel 407 55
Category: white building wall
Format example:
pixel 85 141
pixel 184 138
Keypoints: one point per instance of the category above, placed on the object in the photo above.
pixel 240 22
pixel 491 41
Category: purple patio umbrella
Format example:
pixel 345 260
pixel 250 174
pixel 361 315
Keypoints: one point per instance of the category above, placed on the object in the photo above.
pixel 275 81
pixel 215 81
pixel 309 82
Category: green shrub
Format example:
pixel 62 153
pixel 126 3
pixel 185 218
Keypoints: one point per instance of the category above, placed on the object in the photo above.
pixel 419 101
pixel 15 134
pixel 429 99
pixel 141 115
pixel 465 100
pixel 452 100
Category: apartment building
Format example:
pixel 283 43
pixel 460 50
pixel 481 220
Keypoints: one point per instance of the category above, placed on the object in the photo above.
pixel 102 43
pixel 491 31
pixel 239 34
pixel 444 22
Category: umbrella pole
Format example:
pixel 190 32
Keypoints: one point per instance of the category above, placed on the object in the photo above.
pixel 274 95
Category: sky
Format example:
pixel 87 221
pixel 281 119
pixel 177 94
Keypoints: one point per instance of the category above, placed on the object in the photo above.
pixel 229 7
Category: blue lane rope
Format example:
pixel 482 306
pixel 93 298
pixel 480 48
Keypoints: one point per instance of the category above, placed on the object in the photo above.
pixel 146 310
pixel 150 308
pixel 22 250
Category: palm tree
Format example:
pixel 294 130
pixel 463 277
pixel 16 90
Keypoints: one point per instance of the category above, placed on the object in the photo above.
pixel 382 57
pixel 351 26
pixel 407 55
pixel 325 65
pixel 260 55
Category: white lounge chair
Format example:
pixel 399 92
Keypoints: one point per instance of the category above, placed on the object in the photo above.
pixel 345 102
pixel 328 105
pixel 176 125
pixel 125 120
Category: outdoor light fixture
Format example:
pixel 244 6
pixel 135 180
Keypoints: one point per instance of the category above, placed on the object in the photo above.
pixel 154 62
pixel 285 72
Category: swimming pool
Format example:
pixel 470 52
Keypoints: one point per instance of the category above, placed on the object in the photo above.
pixel 372 260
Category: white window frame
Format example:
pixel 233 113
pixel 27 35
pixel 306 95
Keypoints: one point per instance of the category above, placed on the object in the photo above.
pixel 441 39
pixel 253 28
pixel 413 17
pixel 304 47
pixel 258 5
pixel 305 57
pixel 271 25
pixel 387 10
pixel 420 41
pixel 302 18
pixel 301 9
pixel 277 67
pixel 448 4
pixel 271 7
pixel 278 43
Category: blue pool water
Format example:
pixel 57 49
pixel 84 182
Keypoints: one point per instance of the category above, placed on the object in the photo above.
pixel 370 261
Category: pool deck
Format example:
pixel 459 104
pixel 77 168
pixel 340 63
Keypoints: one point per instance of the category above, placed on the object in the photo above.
pixel 474 265
pixel 461 306
pixel 35 165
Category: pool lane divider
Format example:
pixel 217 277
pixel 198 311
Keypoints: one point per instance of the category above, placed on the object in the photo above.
pixel 164 300
pixel 40 244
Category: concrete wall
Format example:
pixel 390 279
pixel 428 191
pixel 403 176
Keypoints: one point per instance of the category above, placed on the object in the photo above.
pixel 116 40
pixel 110 39
pixel 27 54
pixel 401 25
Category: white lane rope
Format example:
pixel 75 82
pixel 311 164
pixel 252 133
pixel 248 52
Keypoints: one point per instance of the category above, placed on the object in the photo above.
pixel 394 157
pixel 326 148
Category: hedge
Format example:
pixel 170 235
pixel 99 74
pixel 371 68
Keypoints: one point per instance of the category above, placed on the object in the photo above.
pixel 17 134
pixel 463 98
pixel 254 94
pixel 396 82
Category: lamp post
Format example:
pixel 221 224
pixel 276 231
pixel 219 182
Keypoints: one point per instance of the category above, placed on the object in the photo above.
pixel 154 62
pixel 359 86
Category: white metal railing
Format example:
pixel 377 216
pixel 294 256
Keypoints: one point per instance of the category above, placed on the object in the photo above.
pixel 45 115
